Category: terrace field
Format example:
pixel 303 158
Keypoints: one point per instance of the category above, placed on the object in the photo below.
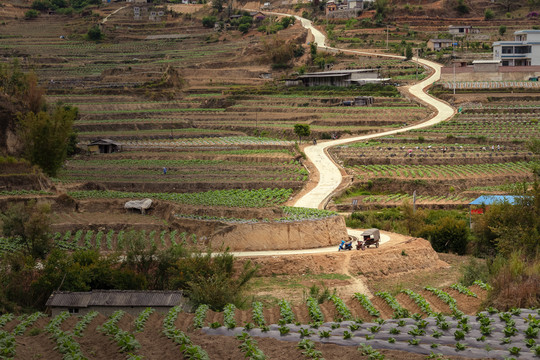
pixel 333 329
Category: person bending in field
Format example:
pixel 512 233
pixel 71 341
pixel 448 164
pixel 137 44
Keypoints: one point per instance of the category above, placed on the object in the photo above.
pixel 164 171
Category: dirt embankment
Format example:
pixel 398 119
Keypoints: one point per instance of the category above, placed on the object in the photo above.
pixel 76 215
pixel 393 260
pixel 280 236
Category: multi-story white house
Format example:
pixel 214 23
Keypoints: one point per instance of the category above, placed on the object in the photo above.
pixel 523 51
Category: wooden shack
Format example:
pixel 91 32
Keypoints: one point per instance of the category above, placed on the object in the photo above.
pixel 104 146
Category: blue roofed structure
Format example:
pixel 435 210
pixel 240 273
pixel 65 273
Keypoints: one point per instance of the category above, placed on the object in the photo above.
pixel 495 199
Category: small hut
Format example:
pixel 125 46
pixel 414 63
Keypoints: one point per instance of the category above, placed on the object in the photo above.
pixel 104 146
pixel 107 302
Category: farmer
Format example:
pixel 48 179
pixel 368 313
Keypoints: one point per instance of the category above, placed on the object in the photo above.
pixel 314 141
pixel 164 171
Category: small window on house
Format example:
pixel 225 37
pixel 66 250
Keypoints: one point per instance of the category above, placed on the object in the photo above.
pixel 73 310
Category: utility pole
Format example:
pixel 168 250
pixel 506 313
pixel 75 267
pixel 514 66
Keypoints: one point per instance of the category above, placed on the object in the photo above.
pixel 416 63
pixel 454 60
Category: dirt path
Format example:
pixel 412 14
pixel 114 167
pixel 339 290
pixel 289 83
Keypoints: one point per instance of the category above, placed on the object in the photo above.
pixel 384 239
pixel 114 12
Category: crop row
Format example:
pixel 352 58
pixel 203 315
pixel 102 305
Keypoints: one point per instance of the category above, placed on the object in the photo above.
pixel 66 345
pixel 189 350
pixel 229 198
pixel 124 339
pixel 208 141
pixel 170 163
pixel 399 311
pixel 480 335
pixel 397 198
pixel 438 171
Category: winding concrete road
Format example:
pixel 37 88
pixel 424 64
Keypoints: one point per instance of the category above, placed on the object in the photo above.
pixel 329 174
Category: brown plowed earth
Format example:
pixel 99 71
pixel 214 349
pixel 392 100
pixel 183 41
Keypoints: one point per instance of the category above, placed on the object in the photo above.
pixel 184 321
pixel 301 314
pixel 329 311
pixel 95 344
pixel 127 322
pixel 212 317
pixel 465 303
pixel 481 293
pixel 358 310
pixel 28 346
pixel 436 304
pixel 39 324
pixel 10 325
pixel 381 305
pixel 219 347
pixel 271 315
pixel 242 317
pixel 69 323
pixel 155 345
pixel 406 302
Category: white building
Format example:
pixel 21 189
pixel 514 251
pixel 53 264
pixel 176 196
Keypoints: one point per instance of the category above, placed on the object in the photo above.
pixel 523 51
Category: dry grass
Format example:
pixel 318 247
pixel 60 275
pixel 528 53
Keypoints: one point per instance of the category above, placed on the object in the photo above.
pixel 418 280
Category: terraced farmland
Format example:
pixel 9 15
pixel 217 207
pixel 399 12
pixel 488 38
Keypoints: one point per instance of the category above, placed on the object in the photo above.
pixel 118 118
pixel 189 171
pixel 440 324
pixel 495 124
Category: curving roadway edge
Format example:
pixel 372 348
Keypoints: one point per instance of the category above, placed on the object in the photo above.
pixel 329 173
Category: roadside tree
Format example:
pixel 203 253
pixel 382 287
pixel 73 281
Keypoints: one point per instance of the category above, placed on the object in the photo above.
pixel 302 130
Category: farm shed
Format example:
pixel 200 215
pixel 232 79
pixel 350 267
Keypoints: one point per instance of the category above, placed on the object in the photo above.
pixel 331 6
pixel 257 16
pixel 107 302
pixel 104 146
pixel 486 65
pixel 438 44
pixel 342 77
pixel 462 30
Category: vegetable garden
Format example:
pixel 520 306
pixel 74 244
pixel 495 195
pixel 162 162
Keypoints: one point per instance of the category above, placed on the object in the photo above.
pixel 356 324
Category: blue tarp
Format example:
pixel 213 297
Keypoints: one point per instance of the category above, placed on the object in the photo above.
pixel 495 199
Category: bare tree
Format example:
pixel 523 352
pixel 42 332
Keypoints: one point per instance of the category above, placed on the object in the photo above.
pixel 508 5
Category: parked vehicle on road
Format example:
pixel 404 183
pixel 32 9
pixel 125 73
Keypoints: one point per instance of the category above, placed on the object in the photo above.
pixel 369 237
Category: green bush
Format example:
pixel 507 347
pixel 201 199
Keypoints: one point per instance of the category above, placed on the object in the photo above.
pixel 462 8
pixel 41 5
pixel 209 21
pixel 31 14
pixel 94 33
pixel 474 270
pixel 244 28
pixel 449 234
pixel 488 14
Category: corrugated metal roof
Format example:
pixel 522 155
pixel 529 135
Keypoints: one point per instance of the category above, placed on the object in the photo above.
pixel 495 199
pixel 115 298
pixel 104 142
pixel 69 299
pixel 352 71
pixel 440 40
pixel 323 75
